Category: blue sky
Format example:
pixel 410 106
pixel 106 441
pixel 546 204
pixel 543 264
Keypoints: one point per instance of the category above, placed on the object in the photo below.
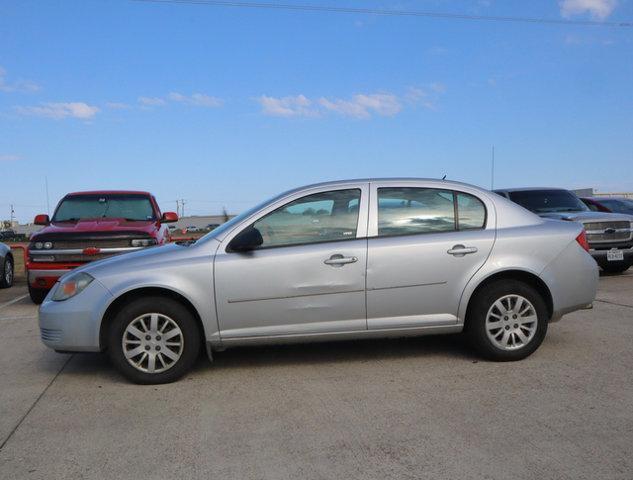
pixel 227 106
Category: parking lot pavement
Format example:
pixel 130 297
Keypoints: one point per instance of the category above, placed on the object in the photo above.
pixel 409 408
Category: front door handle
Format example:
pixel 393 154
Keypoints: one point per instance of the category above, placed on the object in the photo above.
pixel 339 260
pixel 461 250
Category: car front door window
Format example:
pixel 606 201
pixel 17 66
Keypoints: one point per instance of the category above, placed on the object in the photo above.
pixel 320 217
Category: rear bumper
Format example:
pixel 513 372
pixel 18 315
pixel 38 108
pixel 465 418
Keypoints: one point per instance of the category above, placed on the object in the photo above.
pixel 74 324
pixel 572 279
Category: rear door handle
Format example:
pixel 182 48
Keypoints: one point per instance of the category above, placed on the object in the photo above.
pixel 461 250
pixel 339 260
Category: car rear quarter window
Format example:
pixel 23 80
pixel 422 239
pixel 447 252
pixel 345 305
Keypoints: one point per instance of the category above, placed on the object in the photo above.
pixel 471 212
pixel 321 217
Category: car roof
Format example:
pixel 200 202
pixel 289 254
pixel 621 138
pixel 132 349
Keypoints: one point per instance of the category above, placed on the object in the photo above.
pixel 110 192
pixel 380 180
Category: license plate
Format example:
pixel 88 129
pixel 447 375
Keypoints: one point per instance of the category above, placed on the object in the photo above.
pixel 615 255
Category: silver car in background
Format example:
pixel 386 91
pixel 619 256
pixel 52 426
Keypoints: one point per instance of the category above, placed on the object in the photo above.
pixel 340 260
pixel 6 266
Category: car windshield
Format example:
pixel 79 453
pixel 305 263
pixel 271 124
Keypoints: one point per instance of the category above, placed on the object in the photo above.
pixel 619 205
pixel 80 207
pixel 548 201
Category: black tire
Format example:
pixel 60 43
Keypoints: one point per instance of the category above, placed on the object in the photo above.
pixel 6 273
pixel 166 307
pixel 478 309
pixel 37 294
pixel 616 267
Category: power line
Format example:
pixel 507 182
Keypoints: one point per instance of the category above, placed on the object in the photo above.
pixel 400 13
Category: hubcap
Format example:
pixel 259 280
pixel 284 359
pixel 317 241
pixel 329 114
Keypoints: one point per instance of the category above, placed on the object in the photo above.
pixel 153 343
pixel 511 322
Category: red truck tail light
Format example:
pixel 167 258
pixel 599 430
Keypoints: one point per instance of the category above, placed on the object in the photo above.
pixel 582 240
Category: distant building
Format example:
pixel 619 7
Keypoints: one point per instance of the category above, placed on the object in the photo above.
pixel 591 192
pixel 200 221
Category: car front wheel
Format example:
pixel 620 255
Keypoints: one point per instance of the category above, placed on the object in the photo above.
pixel 37 295
pixel 154 340
pixel 507 321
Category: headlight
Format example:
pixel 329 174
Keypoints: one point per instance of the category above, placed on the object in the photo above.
pixel 143 242
pixel 38 245
pixel 71 286
pixel 48 245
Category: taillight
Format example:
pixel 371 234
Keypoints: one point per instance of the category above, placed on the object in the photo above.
pixel 582 240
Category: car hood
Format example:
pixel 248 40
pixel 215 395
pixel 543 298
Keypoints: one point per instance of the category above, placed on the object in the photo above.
pixel 585 217
pixel 101 225
pixel 148 259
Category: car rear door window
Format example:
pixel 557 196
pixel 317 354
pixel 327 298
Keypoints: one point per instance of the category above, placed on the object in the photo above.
pixel 407 210
pixel 321 217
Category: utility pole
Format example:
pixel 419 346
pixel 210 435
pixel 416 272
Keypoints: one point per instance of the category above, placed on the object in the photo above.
pixel 182 202
pixel 492 170
pixel 12 215
pixel 178 208
pixel 48 204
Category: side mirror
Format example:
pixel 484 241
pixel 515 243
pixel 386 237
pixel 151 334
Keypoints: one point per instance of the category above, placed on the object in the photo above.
pixel 41 219
pixel 247 240
pixel 169 217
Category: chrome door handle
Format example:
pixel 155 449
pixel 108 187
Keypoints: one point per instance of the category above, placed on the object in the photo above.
pixel 461 250
pixel 339 260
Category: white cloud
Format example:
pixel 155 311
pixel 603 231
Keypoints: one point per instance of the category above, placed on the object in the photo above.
pixel 151 101
pixel 117 105
pixel 599 9
pixel 60 110
pixel 438 87
pixel 16 86
pixel 363 106
pixel 426 96
pixel 359 106
pixel 9 158
pixel 291 106
pixel 197 99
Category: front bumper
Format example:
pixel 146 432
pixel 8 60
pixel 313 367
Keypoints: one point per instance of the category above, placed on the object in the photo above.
pixel 43 275
pixel 74 324
pixel 45 279
pixel 600 256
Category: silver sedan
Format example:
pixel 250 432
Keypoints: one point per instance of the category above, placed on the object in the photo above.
pixel 341 260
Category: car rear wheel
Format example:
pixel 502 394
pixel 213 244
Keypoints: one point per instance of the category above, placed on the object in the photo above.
pixel 6 280
pixel 153 340
pixel 37 295
pixel 616 267
pixel 507 321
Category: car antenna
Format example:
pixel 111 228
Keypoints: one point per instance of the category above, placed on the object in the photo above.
pixel 444 177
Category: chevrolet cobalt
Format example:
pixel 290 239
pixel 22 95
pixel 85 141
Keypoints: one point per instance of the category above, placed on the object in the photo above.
pixel 341 260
